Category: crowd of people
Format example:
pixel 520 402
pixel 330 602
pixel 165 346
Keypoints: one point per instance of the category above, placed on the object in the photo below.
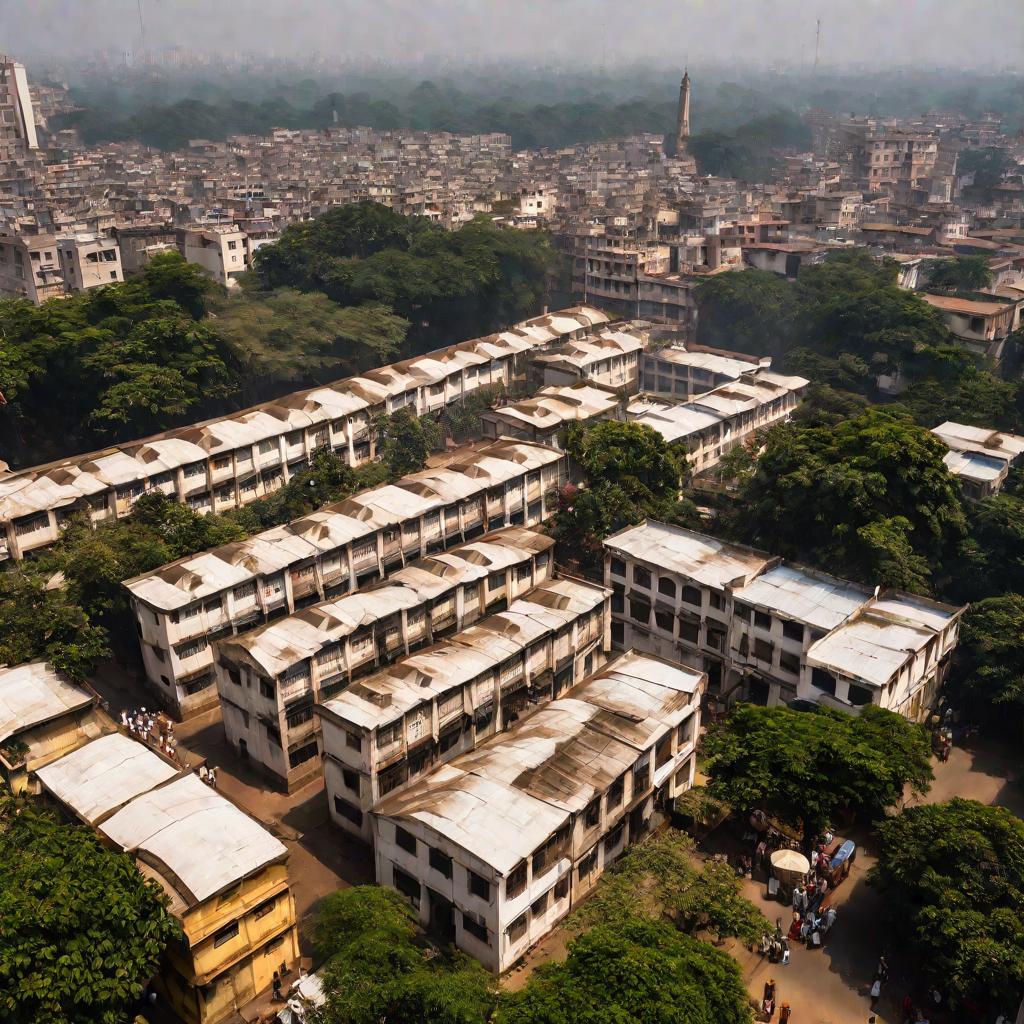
pixel 153 727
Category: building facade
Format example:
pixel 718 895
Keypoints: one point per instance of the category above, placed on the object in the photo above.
pixel 497 846
pixel 386 731
pixel 269 679
pixel 181 608
pixel 770 632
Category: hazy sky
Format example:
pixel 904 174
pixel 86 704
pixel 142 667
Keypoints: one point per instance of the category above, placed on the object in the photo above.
pixel 947 33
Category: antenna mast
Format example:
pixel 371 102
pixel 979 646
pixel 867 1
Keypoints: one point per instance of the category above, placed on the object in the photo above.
pixel 817 43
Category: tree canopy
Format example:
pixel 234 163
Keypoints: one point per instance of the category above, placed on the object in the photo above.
pixel 379 966
pixel 952 879
pixel 962 273
pixel 447 284
pixel 638 970
pixel 81 930
pixel 808 767
pixel 990 676
pixel 631 473
pixel 869 497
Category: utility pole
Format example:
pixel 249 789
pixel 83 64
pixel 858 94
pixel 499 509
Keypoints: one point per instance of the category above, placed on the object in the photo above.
pixel 817 43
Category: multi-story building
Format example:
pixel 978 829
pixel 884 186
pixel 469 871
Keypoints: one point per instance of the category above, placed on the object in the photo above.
pixel 899 159
pixel 17 118
pixel 608 358
pixel 388 729
pixel 712 424
pixel 224 875
pixel 220 250
pixel 270 678
pixel 43 716
pixel 981 325
pixel 88 261
pixel 227 462
pixel 545 417
pixel 979 458
pixel 680 373
pixel 29 267
pixel 498 845
pixel 770 632
pixel 182 607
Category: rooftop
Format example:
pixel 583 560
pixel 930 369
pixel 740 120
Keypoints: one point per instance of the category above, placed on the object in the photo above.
pixel 804 595
pixel 36 693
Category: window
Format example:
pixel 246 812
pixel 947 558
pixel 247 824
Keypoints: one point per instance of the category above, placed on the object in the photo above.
pixel 641 577
pixel 824 681
pixel 476 929
pixel 496 582
pixel 562 888
pixel 405 840
pixel 684 731
pixel 232 245
pixel 859 695
pixel 406 884
pixel 302 755
pixel 665 620
pixel 516 881
pixel 613 838
pixel 592 813
pixel 763 650
pixel 793 631
pixel 615 792
pixel 265 907
pixel 226 934
pixel 440 862
pixel 641 774
pixel 353 740
pixel 716 638
pixel 666 586
pixel 273 733
pixel 540 905
pixel 691 595
pixel 789 662
pixel 587 864
pixel 233 674
pixel 192 648
pixel 267 689
pixel 742 612
pixel 689 630
pixel 479 886
pixel 762 620
pixel 348 811
pixel 618 567
pixel 517 929
pixel 350 779
pixel 717 600
pixel 639 611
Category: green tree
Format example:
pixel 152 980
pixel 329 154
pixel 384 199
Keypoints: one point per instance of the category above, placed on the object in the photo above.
pixel 990 678
pixel 405 441
pixel 640 971
pixel 952 881
pixel 631 474
pixel 380 968
pixel 750 311
pixel 991 559
pixel 659 879
pixel 81 930
pixel 988 166
pixel 868 497
pixel 808 767
pixel 960 274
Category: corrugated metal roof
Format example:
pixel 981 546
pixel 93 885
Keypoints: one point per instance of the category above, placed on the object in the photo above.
pixel 35 693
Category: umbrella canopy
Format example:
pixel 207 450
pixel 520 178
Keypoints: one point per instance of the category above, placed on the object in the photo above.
pixel 790 861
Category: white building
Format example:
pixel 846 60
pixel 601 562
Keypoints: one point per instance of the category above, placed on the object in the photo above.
pixel 494 848
pixel 681 373
pixel 182 607
pixel 220 250
pixel 609 357
pixel 979 458
pixel 385 731
pixel 544 417
pixel 29 268
pixel 88 261
pixel 769 632
pixel 227 462
pixel 269 679
pixel 712 424
pixel 17 118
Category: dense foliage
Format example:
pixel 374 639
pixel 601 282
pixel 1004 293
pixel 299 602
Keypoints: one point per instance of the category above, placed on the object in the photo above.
pixel 630 474
pixel 659 879
pixel 952 880
pixel 81 930
pixel 378 966
pixel 637 970
pixel 990 673
pixel 449 284
pixel 963 273
pixel 809 767
pixel 868 497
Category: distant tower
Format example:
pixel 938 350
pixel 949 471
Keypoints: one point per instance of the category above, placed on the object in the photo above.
pixel 683 120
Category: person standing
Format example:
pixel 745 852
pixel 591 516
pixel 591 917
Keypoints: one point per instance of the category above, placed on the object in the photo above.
pixel 784 1012
pixel 276 983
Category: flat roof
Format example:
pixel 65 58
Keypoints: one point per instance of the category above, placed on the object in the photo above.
pixel 962 437
pixel 204 841
pixel 104 775
pixel 806 596
pixel 702 558
pixel 970 307
pixel 35 693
